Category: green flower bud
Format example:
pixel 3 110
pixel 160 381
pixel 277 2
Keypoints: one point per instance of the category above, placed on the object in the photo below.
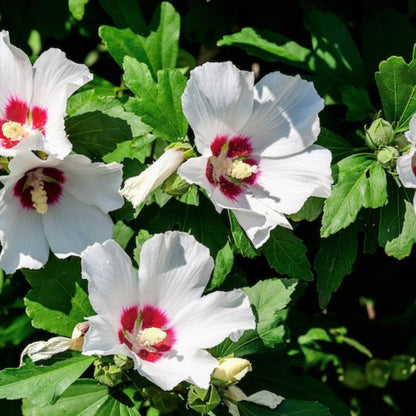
pixel 203 400
pixel 354 377
pixel 387 156
pixel 106 372
pixel 402 367
pixel 378 372
pixel 379 134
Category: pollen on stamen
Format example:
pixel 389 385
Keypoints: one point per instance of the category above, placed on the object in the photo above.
pixel 39 199
pixel 241 170
pixel 12 130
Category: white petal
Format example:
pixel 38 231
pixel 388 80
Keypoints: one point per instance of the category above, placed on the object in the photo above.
pixel 16 73
pixel 71 226
pixel 206 322
pixel 411 134
pixel 137 189
pixel 285 115
pixel 93 183
pixel 405 169
pixel 174 270
pixel 260 220
pixel 265 398
pixel 43 350
pixel 192 366
pixel 290 181
pixel 22 237
pixel 56 78
pixel 218 99
pixel 112 281
pixel 101 339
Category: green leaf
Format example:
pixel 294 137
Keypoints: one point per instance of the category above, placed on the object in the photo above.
pixel 77 8
pixel 339 147
pixel 268 297
pixel 43 384
pixel 14 331
pixel 334 45
pixel 203 222
pixel 396 82
pixel 158 104
pixel 286 408
pixel 334 261
pixel 82 398
pixel 59 299
pixel 112 407
pixel 243 244
pixel 223 265
pixel 401 246
pixel 159 50
pixel 125 13
pixel 95 134
pixel 361 183
pixel 392 214
pixel 122 233
pixel 358 103
pixel 87 102
pixel 310 210
pixel 269 46
pixel 286 254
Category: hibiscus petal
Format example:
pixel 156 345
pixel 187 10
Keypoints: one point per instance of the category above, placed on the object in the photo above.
pixel 290 181
pixel 259 220
pixel 101 339
pixel 112 280
pixel 16 74
pixel 192 366
pixel 71 226
pixel 56 78
pixel 22 237
pixel 405 169
pixel 285 119
pixel 411 133
pixel 174 270
pixel 207 321
pixel 93 183
pixel 218 99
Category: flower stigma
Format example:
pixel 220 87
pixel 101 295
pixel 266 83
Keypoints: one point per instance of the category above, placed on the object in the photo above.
pixel 13 130
pixel 148 337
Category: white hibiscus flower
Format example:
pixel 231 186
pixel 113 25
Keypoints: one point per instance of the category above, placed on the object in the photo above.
pixel 61 204
pixel 159 317
pixel 406 164
pixel 256 141
pixel 33 99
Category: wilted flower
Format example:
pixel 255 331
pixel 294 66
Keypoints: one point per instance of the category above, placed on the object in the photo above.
pixel 256 142
pixel 160 318
pixel 137 189
pixel 61 204
pixel 406 164
pixel 33 99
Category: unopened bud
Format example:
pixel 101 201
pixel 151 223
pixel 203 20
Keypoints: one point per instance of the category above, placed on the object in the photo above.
pixel 231 370
pixel 380 133
pixel 387 156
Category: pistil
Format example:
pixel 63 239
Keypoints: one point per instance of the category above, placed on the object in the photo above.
pixel 148 337
pixel 13 130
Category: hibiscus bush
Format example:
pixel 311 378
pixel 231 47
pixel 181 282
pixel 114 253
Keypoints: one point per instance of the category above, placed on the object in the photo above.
pixel 207 207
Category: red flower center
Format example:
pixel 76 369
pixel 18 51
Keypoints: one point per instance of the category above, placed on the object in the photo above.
pixel 231 166
pixel 39 187
pixel 19 122
pixel 145 332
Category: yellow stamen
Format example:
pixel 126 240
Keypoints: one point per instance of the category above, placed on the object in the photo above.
pixel 13 130
pixel 241 170
pixel 149 337
pixel 39 198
